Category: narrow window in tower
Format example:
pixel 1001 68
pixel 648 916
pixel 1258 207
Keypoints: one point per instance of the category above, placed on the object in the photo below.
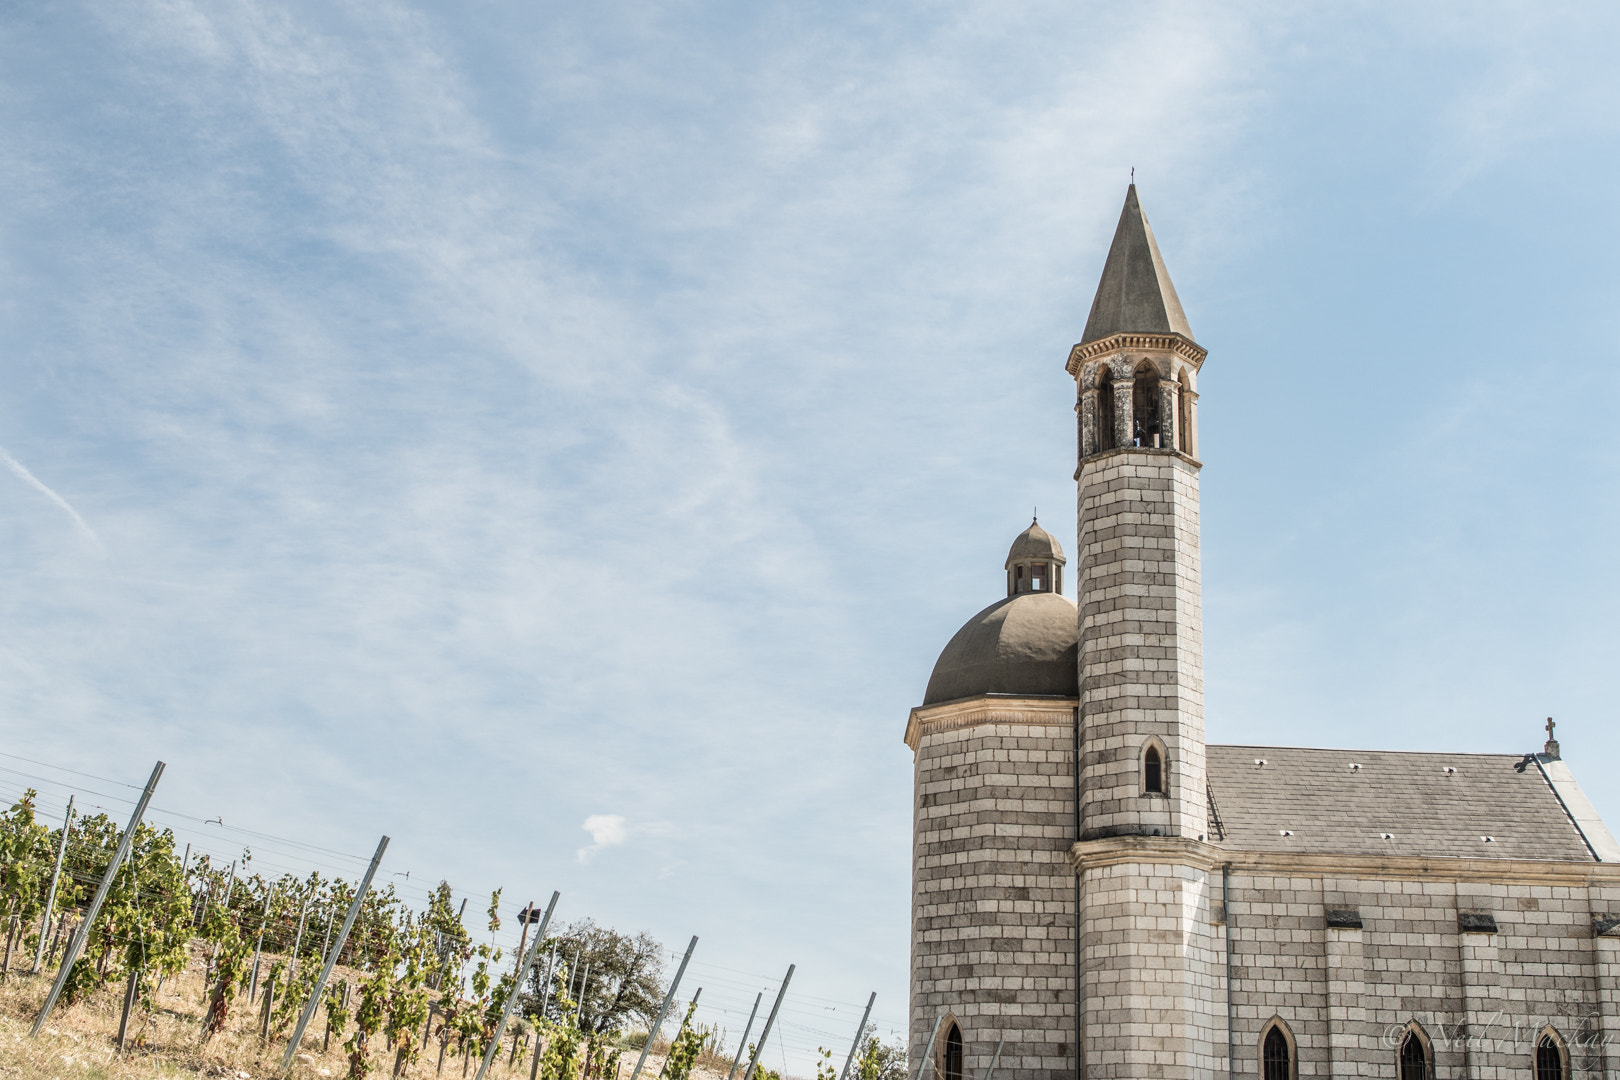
pixel 1105 409
pixel 1184 416
pixel 1145 407
pixel 1153 771
pixel 1277 1056
pixel 1020 583
pixel 953 1053
pixel 1549 1058
pixel 1414 1057
pixel 1037 577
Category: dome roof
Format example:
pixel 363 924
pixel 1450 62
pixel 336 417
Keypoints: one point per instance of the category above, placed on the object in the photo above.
pixel 1026 645
pixel 1035 543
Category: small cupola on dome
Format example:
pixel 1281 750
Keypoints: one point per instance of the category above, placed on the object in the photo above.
pixel 1026 644
pixel 1035 563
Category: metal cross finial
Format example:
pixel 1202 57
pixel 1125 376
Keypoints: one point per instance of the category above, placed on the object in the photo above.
pixel 1133 174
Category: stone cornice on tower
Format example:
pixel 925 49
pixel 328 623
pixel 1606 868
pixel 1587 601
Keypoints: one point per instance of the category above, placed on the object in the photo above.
pixel 1178 344
pixel 1097 460
pixel 1206 857
pixel 987 709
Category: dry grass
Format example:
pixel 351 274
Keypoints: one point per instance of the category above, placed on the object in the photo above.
pixel 78 1043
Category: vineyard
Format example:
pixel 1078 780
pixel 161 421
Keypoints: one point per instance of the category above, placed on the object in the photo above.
pixel 129 953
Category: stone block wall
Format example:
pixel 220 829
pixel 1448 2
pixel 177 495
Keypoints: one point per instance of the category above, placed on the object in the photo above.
pixel 1141 642
pixel 1153 992
pixel 1346 993
pixel 992 891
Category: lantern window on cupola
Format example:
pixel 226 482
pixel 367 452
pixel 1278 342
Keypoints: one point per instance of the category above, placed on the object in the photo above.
pixel 1035 563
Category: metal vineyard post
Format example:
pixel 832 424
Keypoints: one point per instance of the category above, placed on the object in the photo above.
pixel 859 1031
pixel 298 939
pixel 326 970
pixel 579 1002
pixel 928 1051
pixel 996 1057
pixel 663 1010
pixel 76 945
pixel 690 1009
pixel 511 999
pixel 50 897
pixel 743 1045
pixel 769 1020
pixel 258 946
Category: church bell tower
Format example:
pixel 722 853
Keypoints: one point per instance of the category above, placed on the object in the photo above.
pixel 1149 952
pixel 1141 652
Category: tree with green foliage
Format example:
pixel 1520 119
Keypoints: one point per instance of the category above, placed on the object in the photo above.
pixel 625 978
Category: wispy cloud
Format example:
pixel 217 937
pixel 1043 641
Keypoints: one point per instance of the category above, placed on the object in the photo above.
pixel 21 472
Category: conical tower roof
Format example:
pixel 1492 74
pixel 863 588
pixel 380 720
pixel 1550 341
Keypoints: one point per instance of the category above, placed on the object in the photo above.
pixel 1135 294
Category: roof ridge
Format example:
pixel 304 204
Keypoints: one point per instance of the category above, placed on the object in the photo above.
pixel 1364 750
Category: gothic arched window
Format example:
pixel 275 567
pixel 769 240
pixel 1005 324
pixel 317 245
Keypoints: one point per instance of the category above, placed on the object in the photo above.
pixel 1105 408
pixel 953 1053
pixel 1550 1057
pixel 1153 771
pixel 1414 1060
pixel 1276 1055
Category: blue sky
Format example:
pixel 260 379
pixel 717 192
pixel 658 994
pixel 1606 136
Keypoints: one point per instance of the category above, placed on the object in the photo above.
pixel 463 421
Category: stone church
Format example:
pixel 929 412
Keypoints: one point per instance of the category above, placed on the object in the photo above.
pixel 1098 893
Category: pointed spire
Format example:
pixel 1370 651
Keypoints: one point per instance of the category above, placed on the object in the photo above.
pixel 1135 293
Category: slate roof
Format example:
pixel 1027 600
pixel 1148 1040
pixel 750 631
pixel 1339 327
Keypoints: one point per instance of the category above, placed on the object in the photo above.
pixel 1330 808
pixel 1135 294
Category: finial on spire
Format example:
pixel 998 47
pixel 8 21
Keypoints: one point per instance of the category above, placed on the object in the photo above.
pixel 1551 747
pixel 1133 174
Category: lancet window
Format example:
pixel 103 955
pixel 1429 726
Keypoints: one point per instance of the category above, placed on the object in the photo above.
pixel 1105 408
pixel 1276 1055
pixel 1415 1063
pixel 953 1054
pixel 1549 1057
pixel 1153 770
pixel 1145 407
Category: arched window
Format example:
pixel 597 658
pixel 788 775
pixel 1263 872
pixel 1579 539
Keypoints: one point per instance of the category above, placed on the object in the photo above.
pixel 1550 1051
pixel 1105 408
pixel 1276 1055
pixel 953 1053
pixel 1184 416
pixel 1145 407
pixel 1153 771
pixel 1414 1059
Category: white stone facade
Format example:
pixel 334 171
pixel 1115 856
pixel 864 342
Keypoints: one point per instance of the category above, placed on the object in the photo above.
pixel 992 940
pixel 1141 643
pixel 1345 901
